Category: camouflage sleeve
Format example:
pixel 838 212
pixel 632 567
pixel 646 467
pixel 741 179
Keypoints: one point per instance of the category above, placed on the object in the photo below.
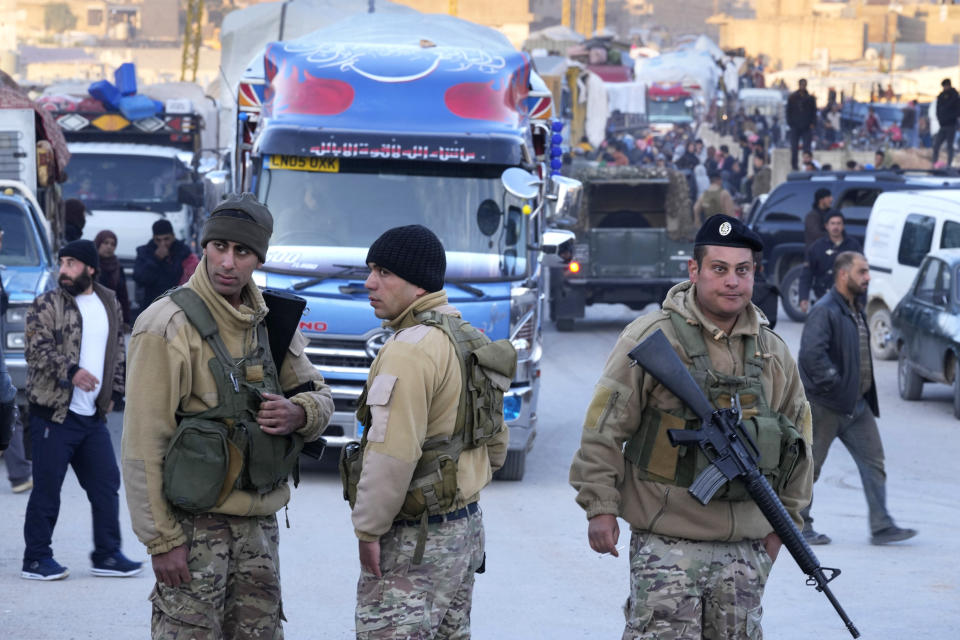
pixel 613 416
pixel 311 393
pixel 120 369
pixel 799 490
pixel 42 350
pixel 399 398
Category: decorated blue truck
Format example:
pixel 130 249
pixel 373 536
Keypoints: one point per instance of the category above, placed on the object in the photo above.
pixel 380 121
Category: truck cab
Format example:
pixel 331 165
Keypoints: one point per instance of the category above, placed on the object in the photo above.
pixel 343 139
pixel 27 268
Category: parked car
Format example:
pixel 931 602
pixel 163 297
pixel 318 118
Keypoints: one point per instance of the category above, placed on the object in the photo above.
pixel 779 220
pixel 904 227
pixel 926 327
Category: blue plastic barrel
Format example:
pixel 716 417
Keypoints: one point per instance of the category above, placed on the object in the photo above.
pixel 126 78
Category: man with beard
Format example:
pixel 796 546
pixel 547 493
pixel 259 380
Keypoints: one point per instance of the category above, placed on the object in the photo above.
pixel 837 373
pixel 75 373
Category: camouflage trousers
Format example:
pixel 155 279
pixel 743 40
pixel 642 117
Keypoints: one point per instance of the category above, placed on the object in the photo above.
pixel 683 589
pixel 427 600
pixel 234 588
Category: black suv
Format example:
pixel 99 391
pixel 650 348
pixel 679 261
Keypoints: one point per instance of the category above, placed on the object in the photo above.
pixel 779 220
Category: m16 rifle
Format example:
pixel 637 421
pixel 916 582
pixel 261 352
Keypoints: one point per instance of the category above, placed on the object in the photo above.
pixel 733 455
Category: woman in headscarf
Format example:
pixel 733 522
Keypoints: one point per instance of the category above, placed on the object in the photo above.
pixel 111 273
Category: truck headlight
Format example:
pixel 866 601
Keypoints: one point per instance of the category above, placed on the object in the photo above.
pixel 511 408
pixel 16 315
pixel 16 341
pixel 523 320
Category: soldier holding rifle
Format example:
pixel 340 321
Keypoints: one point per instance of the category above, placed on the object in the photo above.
pixel 709 563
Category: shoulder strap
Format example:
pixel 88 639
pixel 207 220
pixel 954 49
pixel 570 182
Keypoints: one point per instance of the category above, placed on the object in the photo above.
pixel 691 339
pixel 200 317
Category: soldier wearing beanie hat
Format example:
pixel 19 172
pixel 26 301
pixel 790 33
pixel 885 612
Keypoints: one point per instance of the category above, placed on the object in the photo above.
pixel 730 351
pixel 200 356
pixel 411 401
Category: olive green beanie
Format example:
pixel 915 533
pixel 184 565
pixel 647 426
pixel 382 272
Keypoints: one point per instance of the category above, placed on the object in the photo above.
pixel 241 219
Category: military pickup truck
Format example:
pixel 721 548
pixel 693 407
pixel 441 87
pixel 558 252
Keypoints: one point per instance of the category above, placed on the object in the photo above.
pixel 635 231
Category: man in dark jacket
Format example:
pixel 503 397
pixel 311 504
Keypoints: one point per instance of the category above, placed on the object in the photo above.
pixel 159 264
pixel 801 117
pixel 948 110
pixel 837 373
pixel 818 269
pixel 813 223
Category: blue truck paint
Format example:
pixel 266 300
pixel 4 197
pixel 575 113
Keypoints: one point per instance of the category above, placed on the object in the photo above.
pixel 373 115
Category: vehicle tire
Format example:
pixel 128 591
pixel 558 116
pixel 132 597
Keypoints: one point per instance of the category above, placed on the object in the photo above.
pixel 956 389
pixel 790 294
pixel 564 324
pixel 908 382
pixel 513 467
pixel 881 324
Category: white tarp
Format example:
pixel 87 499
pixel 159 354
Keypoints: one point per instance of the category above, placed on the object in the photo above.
pixel 688 67
pixel 626 97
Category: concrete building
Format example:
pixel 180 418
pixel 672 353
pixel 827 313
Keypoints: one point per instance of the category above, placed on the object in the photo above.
pixel 113 21
pixel 510 17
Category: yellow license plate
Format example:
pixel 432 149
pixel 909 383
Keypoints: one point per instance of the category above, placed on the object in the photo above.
pixel 303 163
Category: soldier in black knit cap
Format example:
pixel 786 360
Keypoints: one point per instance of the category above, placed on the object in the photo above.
pixel 411 486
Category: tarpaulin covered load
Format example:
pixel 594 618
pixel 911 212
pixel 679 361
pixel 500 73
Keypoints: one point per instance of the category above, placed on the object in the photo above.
pixel 47 128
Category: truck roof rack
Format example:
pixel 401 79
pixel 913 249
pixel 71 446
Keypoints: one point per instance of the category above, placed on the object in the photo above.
pixel 167 129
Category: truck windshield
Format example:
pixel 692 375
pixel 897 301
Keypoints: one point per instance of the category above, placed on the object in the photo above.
pixel 19 242
pixel 667 110
pixel 352 207
pixel 121 181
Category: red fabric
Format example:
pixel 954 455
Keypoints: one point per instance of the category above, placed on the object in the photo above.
pixel 189 265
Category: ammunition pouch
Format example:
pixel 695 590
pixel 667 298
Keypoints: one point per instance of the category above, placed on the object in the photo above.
pixel 197 466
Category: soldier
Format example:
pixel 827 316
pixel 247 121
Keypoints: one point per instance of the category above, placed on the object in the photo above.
pixel 714 200
pixel 213 427
pixel 425 454
pixel 695 571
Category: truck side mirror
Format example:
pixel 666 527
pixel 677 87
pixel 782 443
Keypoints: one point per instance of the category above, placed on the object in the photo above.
pixel 556 245
pixel 565 195
pixel 190 194
pixel 520 184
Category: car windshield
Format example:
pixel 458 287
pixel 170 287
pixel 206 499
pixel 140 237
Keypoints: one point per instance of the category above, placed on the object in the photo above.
pixel 19 241
pixel 463 205
pixel 120 181
pixel 667 109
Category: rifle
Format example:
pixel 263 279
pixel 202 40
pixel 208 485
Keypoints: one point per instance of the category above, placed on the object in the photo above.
pixel 282 320
pixel 733 454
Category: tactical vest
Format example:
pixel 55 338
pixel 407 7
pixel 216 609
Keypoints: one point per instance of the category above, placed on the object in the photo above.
pixel 223 448
pixel 779 441
pixel 487 369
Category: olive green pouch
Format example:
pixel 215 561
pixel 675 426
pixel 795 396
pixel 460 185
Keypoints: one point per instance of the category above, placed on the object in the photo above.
pixel 197 465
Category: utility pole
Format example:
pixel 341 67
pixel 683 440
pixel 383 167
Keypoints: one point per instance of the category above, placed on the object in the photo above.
pixel 192 39
pixel 601 15
pixel 565 12
pixel 453 9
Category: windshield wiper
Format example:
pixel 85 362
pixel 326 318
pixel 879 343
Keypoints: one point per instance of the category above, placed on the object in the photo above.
pixel 344 270
pixel 469 288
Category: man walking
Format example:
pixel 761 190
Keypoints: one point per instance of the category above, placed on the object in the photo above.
pixel 801 117
pixel 427 448
pixel 213 427
pixel 948 110
pixel 836 367
pixel 814 221
pixel 709 563
pixel 818 269
pixel 715 199
pixel 75 367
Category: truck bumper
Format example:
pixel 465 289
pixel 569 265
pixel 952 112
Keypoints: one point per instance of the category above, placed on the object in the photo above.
pixel 635 292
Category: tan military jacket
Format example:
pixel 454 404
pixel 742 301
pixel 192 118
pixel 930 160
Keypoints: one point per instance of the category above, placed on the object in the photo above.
pixel 413 393
pixel 713 200
pixel 607 483
pixel 169 369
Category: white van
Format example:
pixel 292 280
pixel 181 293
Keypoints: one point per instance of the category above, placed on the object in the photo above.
pixel 903 227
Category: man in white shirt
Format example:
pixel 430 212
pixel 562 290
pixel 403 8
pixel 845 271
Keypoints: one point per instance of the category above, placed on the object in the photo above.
pixel 75 374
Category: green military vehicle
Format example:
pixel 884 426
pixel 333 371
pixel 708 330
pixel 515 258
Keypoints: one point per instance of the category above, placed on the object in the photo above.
pixel 635 231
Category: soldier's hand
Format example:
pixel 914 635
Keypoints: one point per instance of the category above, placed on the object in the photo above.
pixel 171 567
pixel 370 557
pixel 772 544
pixel 278 416
pixel 804 305
pixel 604 532
pixel 84 380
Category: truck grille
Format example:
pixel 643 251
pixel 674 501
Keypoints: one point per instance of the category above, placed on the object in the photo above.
pixel 339 353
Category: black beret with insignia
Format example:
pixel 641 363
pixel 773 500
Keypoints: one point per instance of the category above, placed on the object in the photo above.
pixel 724 231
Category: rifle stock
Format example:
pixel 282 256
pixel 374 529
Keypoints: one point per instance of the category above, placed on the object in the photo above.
pixel 723 439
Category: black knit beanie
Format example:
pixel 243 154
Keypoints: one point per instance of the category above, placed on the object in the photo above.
pixel 83 250
pixel 412 252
